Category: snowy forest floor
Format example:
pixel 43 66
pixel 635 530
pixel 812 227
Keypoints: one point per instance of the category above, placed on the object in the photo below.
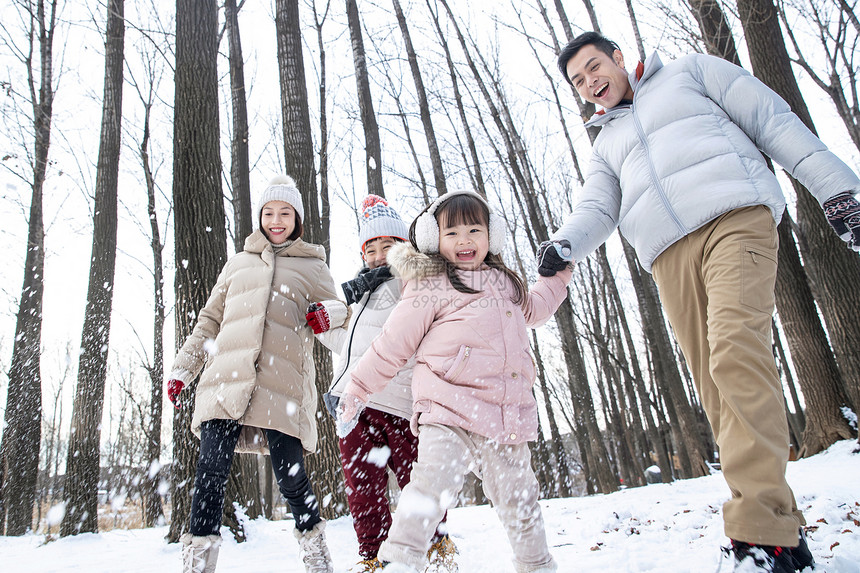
pixel 661 527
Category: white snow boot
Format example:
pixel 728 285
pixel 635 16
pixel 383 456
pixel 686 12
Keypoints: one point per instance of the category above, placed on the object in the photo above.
pixel 199 553
pixel 314 550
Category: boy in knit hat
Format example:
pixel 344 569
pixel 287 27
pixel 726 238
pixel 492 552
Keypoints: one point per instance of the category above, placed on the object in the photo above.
pixel 384 424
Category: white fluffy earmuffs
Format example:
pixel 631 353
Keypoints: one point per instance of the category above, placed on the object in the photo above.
pixel 427 229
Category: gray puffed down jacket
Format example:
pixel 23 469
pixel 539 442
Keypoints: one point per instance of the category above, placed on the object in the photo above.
pixel 254 345
pixel 687 150
pixel 368 315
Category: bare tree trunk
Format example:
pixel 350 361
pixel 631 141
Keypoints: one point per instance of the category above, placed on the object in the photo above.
pixel 798 418
pixel 240 175
pixel 637 386
pixel 323 152
pixel 323 467
pixel 667 377
pixel 475 170
pixel 817 371
pixel 373 149
pixel 833 269
pixel 152 508
pixel 715 29
pixel 200 236
pixel 562 467
pixel 586 108
pixel 82 465
pixel 635 24
pixel 19 452
pixel 423 106
pixel 243 485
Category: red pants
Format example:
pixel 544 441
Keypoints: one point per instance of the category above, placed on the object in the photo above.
pixel 379 441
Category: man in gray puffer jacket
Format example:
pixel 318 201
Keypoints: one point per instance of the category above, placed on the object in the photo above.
pixel 677 168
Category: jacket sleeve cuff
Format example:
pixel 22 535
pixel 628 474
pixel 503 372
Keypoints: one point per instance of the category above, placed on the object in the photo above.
pixel 181 374
pixel 337 312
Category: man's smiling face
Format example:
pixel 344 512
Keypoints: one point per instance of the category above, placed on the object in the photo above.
pixel 598 77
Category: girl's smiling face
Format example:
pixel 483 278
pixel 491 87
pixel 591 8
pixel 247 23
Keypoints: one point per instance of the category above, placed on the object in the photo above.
pixel 464 245
pixel 277 221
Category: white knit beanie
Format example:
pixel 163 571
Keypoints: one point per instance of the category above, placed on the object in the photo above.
pixel 379 220
pixel 280 188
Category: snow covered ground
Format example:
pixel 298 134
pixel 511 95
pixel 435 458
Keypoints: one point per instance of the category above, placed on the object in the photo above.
pixel 660 528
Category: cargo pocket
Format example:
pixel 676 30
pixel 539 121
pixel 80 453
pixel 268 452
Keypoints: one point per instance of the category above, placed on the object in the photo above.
pixel 758 277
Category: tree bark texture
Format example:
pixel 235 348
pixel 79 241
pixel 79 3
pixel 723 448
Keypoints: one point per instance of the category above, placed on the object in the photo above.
pixel 80 492
pixel 423 105
pixel 19 451
pixel 199 223
pixel 372 146
pixel 716 32
pixel 834 270
pixel 667 377
pixel 475 172
pixel 240 175
pixel 152 508
pixel 814 363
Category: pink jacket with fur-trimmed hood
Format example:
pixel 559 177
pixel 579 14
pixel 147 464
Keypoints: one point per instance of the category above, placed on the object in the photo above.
pixel 474 368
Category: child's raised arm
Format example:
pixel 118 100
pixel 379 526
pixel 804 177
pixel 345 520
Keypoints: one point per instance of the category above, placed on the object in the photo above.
pixel 396 344
pixel 545 296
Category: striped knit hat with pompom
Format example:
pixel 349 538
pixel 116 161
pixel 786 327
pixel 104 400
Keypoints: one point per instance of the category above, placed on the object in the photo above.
pixel 379 220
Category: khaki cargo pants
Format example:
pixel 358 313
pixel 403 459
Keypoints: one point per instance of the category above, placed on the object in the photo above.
pixel 717 289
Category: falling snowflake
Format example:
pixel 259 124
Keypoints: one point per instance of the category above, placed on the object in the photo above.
pixel 379 456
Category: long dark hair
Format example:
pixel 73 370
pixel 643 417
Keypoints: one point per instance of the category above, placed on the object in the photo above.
pixel 468 210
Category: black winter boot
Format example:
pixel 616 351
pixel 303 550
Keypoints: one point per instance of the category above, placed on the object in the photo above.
pixel 761 558
pixel 801 554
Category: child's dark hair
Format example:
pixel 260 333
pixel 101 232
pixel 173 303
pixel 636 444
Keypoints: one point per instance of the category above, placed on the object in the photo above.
pixel 468 210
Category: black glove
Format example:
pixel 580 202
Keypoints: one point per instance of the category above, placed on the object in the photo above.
pixel 843 214
pixel 366 281
pixel 553 256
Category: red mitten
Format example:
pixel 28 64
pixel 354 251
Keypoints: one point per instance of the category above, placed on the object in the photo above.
pixel 318 318
pixel 174 387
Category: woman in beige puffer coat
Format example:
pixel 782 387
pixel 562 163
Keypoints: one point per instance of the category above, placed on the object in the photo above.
pixel 257 392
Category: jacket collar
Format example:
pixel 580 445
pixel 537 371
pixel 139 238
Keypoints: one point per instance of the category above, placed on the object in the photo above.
pixel 641 74
pixel 258 243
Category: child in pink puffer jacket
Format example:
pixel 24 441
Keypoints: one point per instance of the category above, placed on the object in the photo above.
pixel 464 315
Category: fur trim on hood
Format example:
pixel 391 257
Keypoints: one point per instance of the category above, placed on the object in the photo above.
pixel 409 264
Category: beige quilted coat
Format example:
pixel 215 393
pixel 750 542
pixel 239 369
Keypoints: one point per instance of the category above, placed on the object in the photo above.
pixel 254 345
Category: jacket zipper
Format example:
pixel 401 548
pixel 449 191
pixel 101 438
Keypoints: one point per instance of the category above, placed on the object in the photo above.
pixel 657 186
pixel 352 334
pixel 467 350
pixel 349 343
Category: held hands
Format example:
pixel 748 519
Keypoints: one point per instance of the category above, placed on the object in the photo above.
pixel 174 387
pixel 318 317
pixel 843 214
pixel 553 256
pixel 348 410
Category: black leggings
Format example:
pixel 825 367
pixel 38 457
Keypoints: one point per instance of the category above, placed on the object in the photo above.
pixel 217 441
